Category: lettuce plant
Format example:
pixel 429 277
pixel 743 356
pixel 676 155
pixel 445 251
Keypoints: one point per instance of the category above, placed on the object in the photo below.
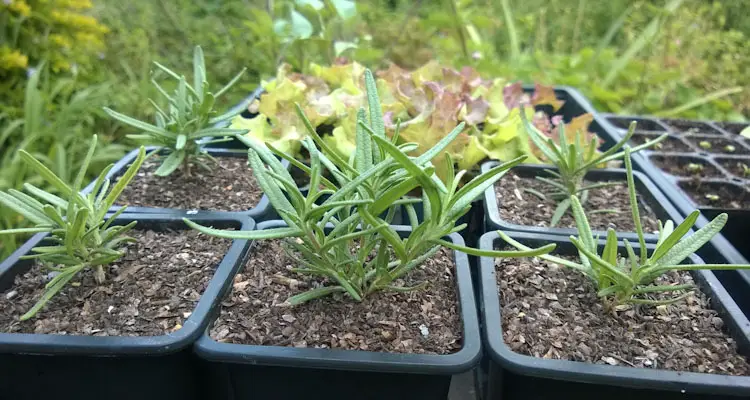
pixel 80 235
pixel 630 278
pixel 430 101
pixel 346 238
pixel 573 160
pixel 189 117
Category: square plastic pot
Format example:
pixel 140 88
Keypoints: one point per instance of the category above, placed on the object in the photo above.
pixel 235 371
pixel 260 212
pixel 42 366
pixel 648 191
pixel 515 376
pixel 730 247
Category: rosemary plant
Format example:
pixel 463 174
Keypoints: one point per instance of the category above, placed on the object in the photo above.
pixel 190 117
pixel 80 236
pixel 630 279
pixel 346 238
pixel 573 161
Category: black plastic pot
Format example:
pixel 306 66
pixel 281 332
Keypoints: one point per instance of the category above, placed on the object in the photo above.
pixel 40 366
pixel 685 136
pixel 653 198
pixel 236 371
pixel 262 211
pixel 515 376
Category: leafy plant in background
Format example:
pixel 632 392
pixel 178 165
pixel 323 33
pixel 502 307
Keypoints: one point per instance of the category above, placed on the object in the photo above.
pixel 54 128
pixel 429 101
pixel 367 185
pixel 57 32
pixel 633 279
pixel 573 159
pixel 189 118
pixel 314 31
pixel 80 235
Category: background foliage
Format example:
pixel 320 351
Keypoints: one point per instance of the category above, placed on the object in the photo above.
pixel 61 61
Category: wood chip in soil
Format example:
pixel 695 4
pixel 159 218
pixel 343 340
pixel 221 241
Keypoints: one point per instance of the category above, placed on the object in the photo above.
pixel 150 291
pixel 228 186
pixel 520 207
pixel 255 312
pixel 551 311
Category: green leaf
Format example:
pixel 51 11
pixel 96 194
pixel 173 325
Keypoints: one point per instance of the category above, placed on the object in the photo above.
pixel 478 185
pixel 301 28
pixel 144 126
pixel 582 223
pixel 125 179
pixel 199 71
pixel 345 8
pixel 562 207
pixel 610 248
pixel 634 204
pixel 674 236
pixel 46 174
pixel 53 287
pixel 180 143
pixel 687 246
pixel 276 233
pixel 391 195
pixel 171 163
pixel 363 155
pixel 314 294
pixel 496 253
pixel 85 165
pixel 230 84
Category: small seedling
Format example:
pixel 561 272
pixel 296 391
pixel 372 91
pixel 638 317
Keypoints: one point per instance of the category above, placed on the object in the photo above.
pixel 729 148
pixel 705 145
pixel 190 117
pixel 345 239
pixel 574 160
pixel 80 236
pixel 745 169
pixel 712 197
pixel 694 168
pixel 630 279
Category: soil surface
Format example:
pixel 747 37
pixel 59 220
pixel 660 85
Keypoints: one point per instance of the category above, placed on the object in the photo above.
pixel 719 146
pixel 686 166
pixel 730 127
pixel 729 195
pixel 670 144
pixel 520 207
pixel 150 291
pixel 229 186
pixel 734 165
pixel 424 321
pixel 691 127
pixel 550 311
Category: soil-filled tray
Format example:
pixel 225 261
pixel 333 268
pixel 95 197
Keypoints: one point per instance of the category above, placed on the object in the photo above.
pixel 712 190
pixel 547 333
pixel 228 186
pixel 130 336
pixel 672 144
pixel 509 206
pixel 395 346
pixel 733 129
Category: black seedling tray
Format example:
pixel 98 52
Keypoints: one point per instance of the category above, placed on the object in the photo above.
pixel 41 366
pixel 514 376
pixel 260 212
pixel 653 198
pixel 235 371
pixel 731 245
